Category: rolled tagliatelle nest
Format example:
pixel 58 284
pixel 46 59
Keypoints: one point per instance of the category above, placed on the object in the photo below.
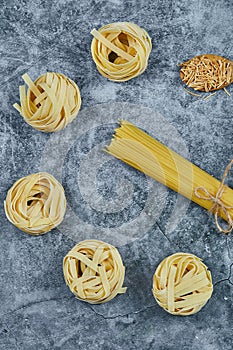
pixel 120 50
pixel 182 285
pixel 94 271
pixel 51 102
pixel 36 203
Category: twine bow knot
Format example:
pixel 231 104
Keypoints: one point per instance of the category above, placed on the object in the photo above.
pixel 218 204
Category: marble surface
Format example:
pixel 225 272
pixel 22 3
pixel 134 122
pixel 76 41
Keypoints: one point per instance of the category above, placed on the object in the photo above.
pixel 106 199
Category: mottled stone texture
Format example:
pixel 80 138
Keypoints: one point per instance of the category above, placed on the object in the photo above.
pixel 106 199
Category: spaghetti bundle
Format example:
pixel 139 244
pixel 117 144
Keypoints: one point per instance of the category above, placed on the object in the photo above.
pixel 51 102
pixel 138 149
pixel 94 271
pixel 207 72
pixel 120 50
pixel 182 284
pixel 36 203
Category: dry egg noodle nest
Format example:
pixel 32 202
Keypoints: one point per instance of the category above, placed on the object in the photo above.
pixel 51 102
pixel 207 72
pixel 94 271
pixel 120 50
pixel 36 203
pixel 182 284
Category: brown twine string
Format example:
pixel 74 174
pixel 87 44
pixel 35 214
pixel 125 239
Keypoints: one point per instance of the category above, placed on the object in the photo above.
pixel 217 202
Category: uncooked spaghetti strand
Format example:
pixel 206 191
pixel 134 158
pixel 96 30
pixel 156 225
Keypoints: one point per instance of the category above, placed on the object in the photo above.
pixel 148 155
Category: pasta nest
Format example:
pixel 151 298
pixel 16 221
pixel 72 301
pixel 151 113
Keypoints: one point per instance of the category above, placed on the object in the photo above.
pixel 121 50
pixel 182 284
pixel 51 102
pixel 94 271
pixel 36 203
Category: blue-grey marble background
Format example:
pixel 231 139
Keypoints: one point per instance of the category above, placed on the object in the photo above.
pixel 106 199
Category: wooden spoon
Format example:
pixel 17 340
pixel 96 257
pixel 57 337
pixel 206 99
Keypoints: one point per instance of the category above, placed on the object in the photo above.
pixel 207 72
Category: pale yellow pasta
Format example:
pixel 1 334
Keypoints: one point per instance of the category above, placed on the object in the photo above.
pixel 182 284
pixel 36 203
pixel 50 103
pixel 94 271
pixel 138 149
pixel 120 50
